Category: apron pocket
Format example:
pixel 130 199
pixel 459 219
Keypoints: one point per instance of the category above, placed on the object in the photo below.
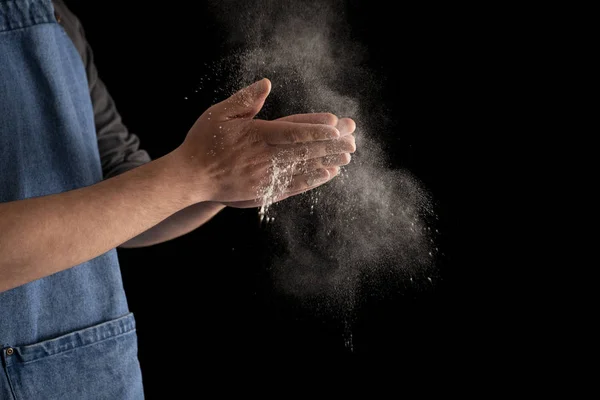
pixel 99 362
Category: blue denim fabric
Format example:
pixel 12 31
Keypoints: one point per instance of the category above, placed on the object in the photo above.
pixel 71 333
pixel 99 362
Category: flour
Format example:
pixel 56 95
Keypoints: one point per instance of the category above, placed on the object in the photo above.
pixel 367 229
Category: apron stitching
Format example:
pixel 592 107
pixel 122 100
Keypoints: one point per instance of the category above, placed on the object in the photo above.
pixel 5 368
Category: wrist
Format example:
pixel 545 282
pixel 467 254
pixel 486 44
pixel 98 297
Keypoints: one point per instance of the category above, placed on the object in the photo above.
pixel 187 177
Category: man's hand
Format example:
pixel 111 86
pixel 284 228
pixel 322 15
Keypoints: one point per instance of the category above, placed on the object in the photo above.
pixel 228 153
pixel 331 163
pixel 299 174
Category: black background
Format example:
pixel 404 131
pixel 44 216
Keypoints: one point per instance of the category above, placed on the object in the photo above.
pixel 206 298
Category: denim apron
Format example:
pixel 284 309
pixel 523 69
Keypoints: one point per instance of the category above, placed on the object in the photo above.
pixel 69 335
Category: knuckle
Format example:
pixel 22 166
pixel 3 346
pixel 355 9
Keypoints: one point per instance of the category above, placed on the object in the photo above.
pixel 290 135
pixel 315 134
pixel 320 132
pixel 253 133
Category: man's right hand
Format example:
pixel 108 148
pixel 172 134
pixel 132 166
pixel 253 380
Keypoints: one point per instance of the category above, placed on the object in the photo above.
pixel 227 154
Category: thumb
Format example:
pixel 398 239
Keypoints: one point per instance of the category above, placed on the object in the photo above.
pixel 246 103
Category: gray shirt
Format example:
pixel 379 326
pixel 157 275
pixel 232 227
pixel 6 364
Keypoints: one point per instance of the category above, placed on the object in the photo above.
pixel 119 148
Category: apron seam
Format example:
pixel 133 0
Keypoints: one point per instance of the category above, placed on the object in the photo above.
pixel 20 28
pixel 5 370
pixel 79 347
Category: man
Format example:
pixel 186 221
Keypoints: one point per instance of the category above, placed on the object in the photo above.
pixel 74 185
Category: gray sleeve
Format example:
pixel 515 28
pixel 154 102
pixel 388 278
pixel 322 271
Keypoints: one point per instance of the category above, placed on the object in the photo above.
pixel 119 149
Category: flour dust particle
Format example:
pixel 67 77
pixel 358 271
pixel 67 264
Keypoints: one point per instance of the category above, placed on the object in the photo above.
pixel 367 229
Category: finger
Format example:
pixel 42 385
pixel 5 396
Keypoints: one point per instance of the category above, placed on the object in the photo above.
pixel 346 126
pixel 282 132
pixel 336 160
pixel 246 103
pixel 307 151
pixel 300 186
pixel 308 181
pixel 314 118
pixel 304 183
pixel 333 172
pixel 303 167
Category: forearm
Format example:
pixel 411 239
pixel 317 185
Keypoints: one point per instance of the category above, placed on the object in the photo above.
pixel 176 225
pixel 44 235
